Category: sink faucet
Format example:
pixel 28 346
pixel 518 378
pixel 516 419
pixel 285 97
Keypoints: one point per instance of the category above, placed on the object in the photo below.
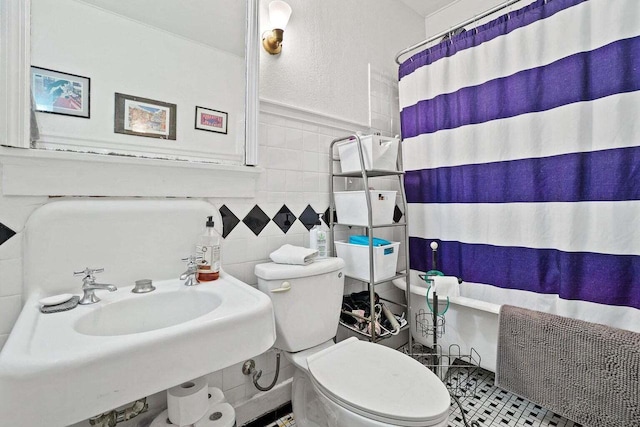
pixel 189 276
pixel 89 285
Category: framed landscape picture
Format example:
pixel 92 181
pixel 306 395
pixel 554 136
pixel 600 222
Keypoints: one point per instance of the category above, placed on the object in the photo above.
pixel 56 92
pixel 144 117
pixel 211 120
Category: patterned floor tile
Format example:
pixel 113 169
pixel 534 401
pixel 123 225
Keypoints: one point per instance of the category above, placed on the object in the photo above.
pixel 286 421
pixel 489 406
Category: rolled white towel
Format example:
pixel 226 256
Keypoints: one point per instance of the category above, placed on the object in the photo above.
pixel 446 286
pixel 289 254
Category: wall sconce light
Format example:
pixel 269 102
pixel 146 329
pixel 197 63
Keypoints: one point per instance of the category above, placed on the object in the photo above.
pixel 279 13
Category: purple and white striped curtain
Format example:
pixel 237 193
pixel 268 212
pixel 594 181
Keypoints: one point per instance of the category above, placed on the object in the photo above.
pixel 522 151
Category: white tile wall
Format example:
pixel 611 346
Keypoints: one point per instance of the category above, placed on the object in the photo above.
pixel 384 110
pixel 297 174
pixel 11 276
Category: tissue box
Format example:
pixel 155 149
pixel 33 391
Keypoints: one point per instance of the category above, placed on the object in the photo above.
pixel 379 153
pixel 356 259
pixel 351 207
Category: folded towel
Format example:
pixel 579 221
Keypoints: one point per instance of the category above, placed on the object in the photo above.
pixel 445 286
pixel 289 254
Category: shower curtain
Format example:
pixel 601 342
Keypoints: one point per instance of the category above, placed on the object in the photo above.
pixel 521 145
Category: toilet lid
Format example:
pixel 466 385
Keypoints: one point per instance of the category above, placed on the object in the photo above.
pixel 380 383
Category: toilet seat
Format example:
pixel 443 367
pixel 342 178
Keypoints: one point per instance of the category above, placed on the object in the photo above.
pixel 379 383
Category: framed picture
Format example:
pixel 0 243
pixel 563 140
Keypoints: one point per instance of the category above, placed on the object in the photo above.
pixel 60 93
pixel 211 120
pixel 145 117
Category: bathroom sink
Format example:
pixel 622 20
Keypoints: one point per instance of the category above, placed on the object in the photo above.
pixel 151 312
pixel 61 368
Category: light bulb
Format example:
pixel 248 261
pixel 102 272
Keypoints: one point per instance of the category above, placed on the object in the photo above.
pixel 279 13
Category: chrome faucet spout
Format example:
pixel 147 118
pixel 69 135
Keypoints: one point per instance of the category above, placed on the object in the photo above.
pixel 89 285
pixel 189 276
pixel 98 286
pixel 186 274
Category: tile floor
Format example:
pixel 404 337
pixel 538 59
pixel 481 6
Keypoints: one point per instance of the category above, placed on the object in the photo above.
pixel 286 421
pixel 485 403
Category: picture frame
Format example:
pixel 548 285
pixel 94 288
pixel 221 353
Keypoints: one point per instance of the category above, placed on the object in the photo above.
pixel 56 92
pixel 211 120
pixel 139 116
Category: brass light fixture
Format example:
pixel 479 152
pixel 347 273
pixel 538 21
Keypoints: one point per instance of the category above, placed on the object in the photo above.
pixel 279 13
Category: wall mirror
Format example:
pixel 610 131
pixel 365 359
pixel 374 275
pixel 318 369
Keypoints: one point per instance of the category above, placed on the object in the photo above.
pixel 145 78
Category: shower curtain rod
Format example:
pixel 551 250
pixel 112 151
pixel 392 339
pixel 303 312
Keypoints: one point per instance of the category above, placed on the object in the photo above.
pixel 452 29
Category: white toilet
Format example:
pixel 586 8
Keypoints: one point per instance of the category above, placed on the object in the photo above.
pixel 352 383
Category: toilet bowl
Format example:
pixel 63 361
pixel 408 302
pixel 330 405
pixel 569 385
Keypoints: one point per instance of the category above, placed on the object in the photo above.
pixel 352 383
pixel 358 384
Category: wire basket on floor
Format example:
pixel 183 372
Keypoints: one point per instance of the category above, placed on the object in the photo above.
pixel 457 371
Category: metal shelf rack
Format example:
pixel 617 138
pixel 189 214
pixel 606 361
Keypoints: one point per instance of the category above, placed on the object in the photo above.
pixel 365 174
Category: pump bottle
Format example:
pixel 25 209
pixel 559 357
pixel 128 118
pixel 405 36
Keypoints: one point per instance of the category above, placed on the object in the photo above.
pixel 208 253
pixel 318 239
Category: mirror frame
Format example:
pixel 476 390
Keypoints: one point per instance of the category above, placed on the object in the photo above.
pixel 18 166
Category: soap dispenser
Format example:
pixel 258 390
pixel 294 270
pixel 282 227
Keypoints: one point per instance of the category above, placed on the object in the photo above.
pixel 318 238
pixel 208 253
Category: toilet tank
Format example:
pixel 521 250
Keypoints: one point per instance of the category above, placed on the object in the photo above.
pixel 306 301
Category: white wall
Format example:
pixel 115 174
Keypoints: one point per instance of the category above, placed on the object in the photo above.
pixel 327 47
pixel 126 56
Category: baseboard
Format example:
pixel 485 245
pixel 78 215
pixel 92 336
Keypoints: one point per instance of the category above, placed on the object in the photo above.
pixel 263 404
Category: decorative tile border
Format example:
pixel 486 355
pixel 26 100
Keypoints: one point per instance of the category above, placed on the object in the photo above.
pixel 257 219
pixel 229 220
pixel 5 233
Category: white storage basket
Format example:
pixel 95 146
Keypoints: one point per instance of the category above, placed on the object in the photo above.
pixel 380 153
pixel 351 207
pixel 356 258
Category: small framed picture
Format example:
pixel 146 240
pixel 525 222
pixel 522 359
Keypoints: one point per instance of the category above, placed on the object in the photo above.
pixel 211 120
pixel 145 117
pixel 60 93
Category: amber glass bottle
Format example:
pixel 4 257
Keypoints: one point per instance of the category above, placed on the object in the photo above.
pixel 205 274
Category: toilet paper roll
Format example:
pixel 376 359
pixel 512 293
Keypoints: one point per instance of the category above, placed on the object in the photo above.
pixel 218 415
pixel 188 402
pixel 216 396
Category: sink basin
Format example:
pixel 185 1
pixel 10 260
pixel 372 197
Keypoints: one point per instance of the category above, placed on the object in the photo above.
pixel 61 368
pixel 151 312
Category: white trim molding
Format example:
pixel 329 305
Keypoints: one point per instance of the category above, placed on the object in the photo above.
pixel 252 103
pixel 268 106
pixel 15 47
pixel 56 173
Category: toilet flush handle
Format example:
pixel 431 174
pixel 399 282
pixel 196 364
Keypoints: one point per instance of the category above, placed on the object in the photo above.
pixel 286 286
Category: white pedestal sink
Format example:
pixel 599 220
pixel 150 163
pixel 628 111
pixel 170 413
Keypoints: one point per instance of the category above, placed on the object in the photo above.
pixel 60 368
